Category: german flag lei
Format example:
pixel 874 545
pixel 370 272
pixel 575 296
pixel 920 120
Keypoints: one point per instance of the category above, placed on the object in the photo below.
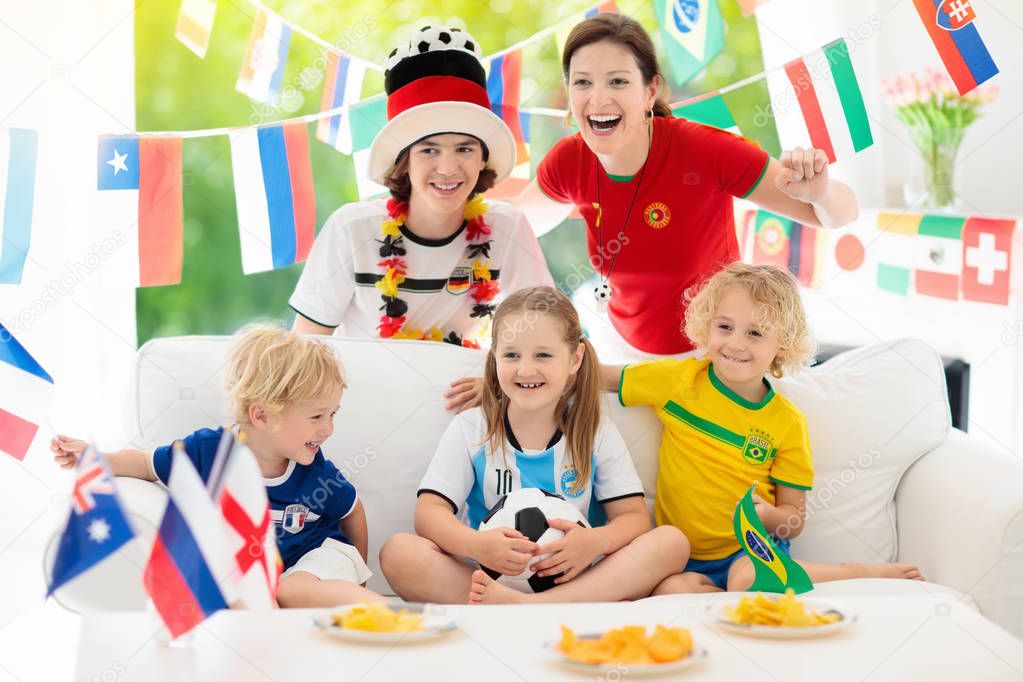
pixel 482 287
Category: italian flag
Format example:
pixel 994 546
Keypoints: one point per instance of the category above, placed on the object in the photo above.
pixel 920 252
pixel 816 102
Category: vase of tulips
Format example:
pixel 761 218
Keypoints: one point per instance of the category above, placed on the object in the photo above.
pixel 936 117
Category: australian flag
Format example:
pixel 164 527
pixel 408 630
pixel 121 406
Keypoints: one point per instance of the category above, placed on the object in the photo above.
pixel 96 526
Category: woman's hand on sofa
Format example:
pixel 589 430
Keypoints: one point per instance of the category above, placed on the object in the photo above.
pixel 464 394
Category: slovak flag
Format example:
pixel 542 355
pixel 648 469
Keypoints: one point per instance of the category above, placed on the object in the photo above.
pixel 189 572
pixel 96 527
pixel 236 486
pixel 949 23
pixel 263 69
pixel 342 84
pixel 25 392
pixel 273 190
pixel 503 86
pixel 140 192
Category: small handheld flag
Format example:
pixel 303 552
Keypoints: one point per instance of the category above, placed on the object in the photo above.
pixel 96 526
pixel 25 392
pixel 949 24
pixel 775 571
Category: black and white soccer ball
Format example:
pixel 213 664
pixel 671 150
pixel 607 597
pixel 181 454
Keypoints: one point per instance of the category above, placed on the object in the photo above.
pixel 527 511
pixel 434 39
pixel 602 292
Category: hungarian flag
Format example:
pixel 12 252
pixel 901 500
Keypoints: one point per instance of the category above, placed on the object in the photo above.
pixel 949 24
pixel 262 71
pixel 816 102
pixel 273 188
pixel 775 570
pixel 503 86
pixel 781 241
pixel 18 151
pixel 693 33
pixel 342 85
pixel 195 23
pixel 140 192
pixel 920 252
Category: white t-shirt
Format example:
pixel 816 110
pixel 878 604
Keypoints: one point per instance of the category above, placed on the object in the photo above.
pixel 337 286
pixel 472 479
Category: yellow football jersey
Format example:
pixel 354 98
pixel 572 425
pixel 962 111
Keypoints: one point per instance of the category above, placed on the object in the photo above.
pixel 714 446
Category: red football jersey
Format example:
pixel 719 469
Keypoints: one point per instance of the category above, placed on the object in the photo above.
pixel 681 227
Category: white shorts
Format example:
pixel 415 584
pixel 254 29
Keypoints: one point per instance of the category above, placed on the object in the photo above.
pixel 333 560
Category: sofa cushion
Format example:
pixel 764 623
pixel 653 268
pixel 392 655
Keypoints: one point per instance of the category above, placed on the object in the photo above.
pixel 871 413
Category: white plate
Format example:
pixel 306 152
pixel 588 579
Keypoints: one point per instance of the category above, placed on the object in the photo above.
pixel 696 656
pixel 846 618
pixel 435 624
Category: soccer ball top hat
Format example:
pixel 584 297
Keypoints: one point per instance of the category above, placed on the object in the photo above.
pixel 436 84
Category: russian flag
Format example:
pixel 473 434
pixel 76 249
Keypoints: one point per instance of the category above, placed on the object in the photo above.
pixel 950 26
pixel 265 57
pixel 139 179
pixel 190 567
pixel 342 84
pixel 25 391
pixel 503 84
pixel 18 151
pixel 273 188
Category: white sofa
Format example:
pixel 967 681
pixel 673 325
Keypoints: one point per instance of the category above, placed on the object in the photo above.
pixel 893 480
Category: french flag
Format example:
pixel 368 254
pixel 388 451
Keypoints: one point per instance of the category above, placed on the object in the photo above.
pixel 273 189
pixel 18 151
pixel 341 85
pixel 950 26
pixel 265 57
pixel 503 85
pixel 25 392
pixel 189 572
pixel 140 192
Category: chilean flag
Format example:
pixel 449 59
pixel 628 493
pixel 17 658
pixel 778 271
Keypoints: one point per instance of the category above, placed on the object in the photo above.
pixel 25 391
pixel 189 572
pixel 273 189
pixel 96 527
pixel 503 85
pixel 139 183
pixel 950 25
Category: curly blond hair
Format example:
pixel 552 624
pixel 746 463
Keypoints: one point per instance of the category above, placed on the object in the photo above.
pixel 278 368
pixel 780 311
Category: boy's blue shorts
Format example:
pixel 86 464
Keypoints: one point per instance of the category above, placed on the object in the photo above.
pixel 717 569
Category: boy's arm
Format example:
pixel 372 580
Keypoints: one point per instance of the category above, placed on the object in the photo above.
pixel 355 529
pixel 127 462
pixel 610 376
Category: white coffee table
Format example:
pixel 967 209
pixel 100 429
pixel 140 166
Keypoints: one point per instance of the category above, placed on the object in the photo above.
pixel 904 633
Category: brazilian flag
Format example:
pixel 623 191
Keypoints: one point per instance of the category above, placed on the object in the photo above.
pixel 775 571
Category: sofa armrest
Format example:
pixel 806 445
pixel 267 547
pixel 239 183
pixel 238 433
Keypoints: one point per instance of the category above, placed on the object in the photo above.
pixel 115 584
pixel 959 512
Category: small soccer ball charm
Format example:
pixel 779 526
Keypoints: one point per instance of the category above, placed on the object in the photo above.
pixel 602 293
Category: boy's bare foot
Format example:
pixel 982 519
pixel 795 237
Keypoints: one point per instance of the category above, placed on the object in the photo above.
pixel 486 590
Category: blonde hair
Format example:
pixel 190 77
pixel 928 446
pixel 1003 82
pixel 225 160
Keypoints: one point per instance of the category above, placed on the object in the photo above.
pixel 578 411
pixel 278 368
pixel 779 311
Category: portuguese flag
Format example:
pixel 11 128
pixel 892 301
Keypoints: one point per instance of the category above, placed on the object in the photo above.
pixel 775 571
pixel 781 241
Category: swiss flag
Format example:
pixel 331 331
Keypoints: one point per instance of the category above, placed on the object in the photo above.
pixel 987 259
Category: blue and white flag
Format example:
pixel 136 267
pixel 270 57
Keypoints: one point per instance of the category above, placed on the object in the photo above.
pixel 18 151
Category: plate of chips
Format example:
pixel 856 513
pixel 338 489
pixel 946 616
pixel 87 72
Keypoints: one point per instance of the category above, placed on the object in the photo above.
pixel 628 650
pixel 783 616
pixel 392 623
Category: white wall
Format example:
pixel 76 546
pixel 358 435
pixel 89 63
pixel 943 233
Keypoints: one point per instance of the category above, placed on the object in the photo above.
pixel 68 73
pixel 887 39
